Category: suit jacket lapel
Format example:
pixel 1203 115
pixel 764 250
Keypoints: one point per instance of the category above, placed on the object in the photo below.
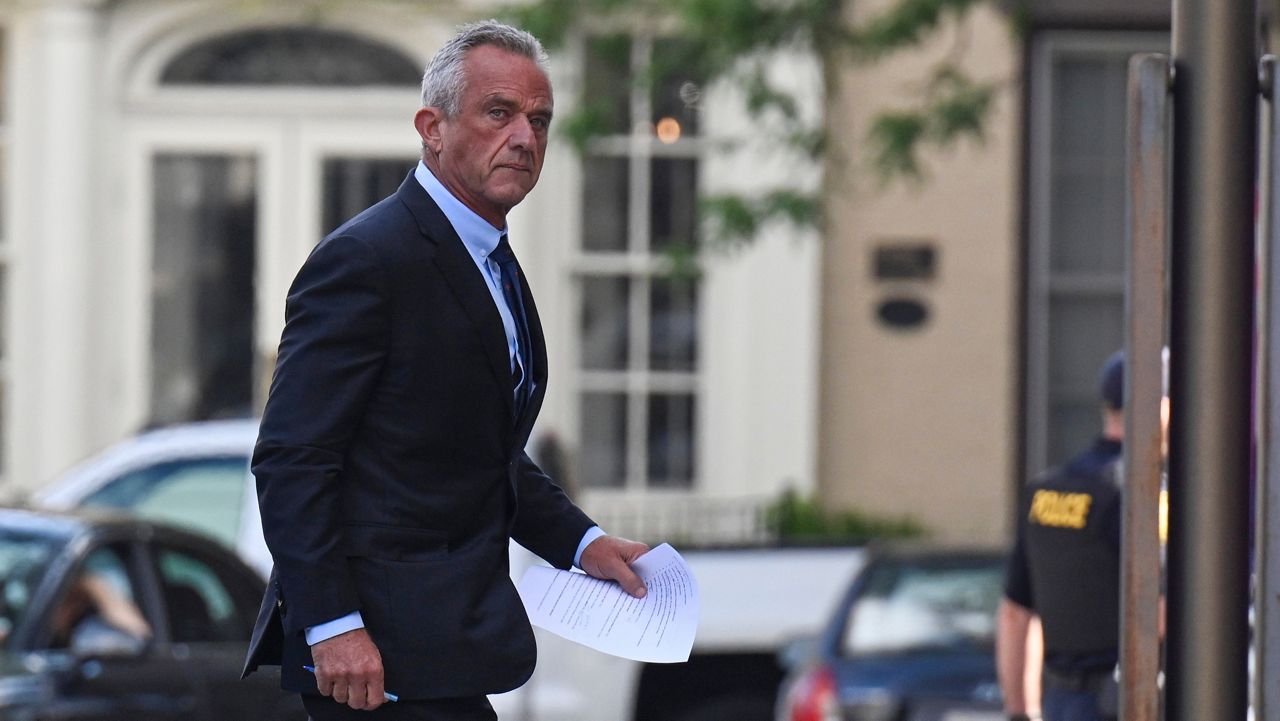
pixel 463 277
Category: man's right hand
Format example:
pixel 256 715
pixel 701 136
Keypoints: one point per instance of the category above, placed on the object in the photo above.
pixel 349 669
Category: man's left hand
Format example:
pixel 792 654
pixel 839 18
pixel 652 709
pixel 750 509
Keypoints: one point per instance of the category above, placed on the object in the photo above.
pixel 610 558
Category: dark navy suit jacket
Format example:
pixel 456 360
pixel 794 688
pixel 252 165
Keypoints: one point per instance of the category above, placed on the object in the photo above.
pixel 390 468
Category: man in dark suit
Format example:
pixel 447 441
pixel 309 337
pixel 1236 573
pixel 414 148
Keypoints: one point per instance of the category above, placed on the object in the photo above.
pixel 390 464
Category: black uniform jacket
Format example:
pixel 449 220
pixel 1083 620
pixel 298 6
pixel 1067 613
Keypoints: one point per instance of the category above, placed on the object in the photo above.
pixel 389 465
pixel 1066 562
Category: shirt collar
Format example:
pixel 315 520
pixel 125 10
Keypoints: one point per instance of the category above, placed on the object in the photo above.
pixel 476 233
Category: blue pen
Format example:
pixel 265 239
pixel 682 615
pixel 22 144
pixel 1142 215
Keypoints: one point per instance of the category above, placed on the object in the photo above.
pixel 387 696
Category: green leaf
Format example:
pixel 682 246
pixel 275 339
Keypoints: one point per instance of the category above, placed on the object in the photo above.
pixel 548 20
pixel 905 24
pixel 809 142
pixel 961 112
pixel 730 218
pixel 762 96
pixel 894 139
pixel 801 209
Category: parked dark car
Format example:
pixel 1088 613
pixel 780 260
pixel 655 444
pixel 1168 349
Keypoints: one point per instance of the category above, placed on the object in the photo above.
pixel 912 640
pixel 114 617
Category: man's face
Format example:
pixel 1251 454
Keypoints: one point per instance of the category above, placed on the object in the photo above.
pixel 490 154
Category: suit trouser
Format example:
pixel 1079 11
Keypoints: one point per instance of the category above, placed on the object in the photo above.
pixel 471 708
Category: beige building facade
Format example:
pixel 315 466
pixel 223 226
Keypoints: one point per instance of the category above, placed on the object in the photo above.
pixel 920 420
pixel 1023 295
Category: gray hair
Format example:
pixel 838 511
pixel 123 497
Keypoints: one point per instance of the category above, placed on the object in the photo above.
pixel 444 80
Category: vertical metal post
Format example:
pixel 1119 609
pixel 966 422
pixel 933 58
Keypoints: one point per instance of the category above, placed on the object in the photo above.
pixel 1215 112
pixel 1266 694
pixel 1145 320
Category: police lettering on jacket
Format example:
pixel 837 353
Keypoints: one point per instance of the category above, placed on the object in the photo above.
pixel 1060 510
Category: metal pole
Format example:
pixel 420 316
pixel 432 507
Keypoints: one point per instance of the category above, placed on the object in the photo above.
pixel 1215 112
pixel 1266 695
pixel 1145 321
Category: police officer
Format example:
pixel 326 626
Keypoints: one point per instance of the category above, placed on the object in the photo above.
pixel 1065 568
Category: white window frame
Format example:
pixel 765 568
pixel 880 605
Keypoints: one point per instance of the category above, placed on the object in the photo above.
pixel 290 131
pixel 6 258
pixel 639 265
pixel 1044 285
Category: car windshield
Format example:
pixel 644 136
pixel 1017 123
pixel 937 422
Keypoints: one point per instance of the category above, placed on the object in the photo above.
pixel 24 558
pixel 205 494
pixel 913 605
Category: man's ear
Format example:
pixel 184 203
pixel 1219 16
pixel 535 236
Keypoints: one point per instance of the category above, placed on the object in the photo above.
pixel 428 122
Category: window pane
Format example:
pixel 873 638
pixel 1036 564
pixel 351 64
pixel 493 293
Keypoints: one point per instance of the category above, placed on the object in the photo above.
pixel 673 203
pixel 26 556
pixel 1079 84
pixel 353 184
pixel 607 83
pixel 677 89
pixel 1087 225
pixel 1084 331
pixel 605 325
pixel 671 442
pixel 200 608
pixel 673 335
pixel 1073 424
pixel 1087 183
pixel 202 495
pixel 928 604
pixel 606 186
pixel 292 56
pixel 202 284
pixel 603 456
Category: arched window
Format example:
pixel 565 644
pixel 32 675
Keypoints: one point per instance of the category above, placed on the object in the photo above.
pixel 291 56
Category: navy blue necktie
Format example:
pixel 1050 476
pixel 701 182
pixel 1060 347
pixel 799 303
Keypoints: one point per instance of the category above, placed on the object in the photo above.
pixel 512 290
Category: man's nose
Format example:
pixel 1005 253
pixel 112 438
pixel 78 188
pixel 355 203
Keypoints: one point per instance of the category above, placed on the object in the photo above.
pixel 522 135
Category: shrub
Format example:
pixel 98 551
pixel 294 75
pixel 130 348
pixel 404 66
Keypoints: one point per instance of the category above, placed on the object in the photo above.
pixel 793 519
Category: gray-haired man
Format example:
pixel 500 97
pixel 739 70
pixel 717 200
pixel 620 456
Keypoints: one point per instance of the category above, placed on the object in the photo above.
pixel 390 464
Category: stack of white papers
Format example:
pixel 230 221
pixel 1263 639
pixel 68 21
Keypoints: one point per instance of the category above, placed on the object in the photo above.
pixel 658 628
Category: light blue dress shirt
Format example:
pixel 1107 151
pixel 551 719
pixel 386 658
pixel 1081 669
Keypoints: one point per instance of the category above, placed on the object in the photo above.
pixel 480 239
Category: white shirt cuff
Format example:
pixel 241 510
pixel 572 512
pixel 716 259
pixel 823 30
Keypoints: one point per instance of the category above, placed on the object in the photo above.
pixel 325 631
pixel 592 534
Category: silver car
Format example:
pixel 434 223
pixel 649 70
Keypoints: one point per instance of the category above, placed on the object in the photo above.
pixel 194 476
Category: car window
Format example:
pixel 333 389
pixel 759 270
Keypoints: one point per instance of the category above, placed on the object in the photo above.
pixel 199 601
pixel 200 494
pixel 97 609
pixel 907 606
pixel 24 560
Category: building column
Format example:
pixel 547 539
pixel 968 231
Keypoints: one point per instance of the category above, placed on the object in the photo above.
pixel 55 97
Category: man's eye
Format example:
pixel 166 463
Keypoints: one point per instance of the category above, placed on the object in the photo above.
pixel 497 113
pixel 540 123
